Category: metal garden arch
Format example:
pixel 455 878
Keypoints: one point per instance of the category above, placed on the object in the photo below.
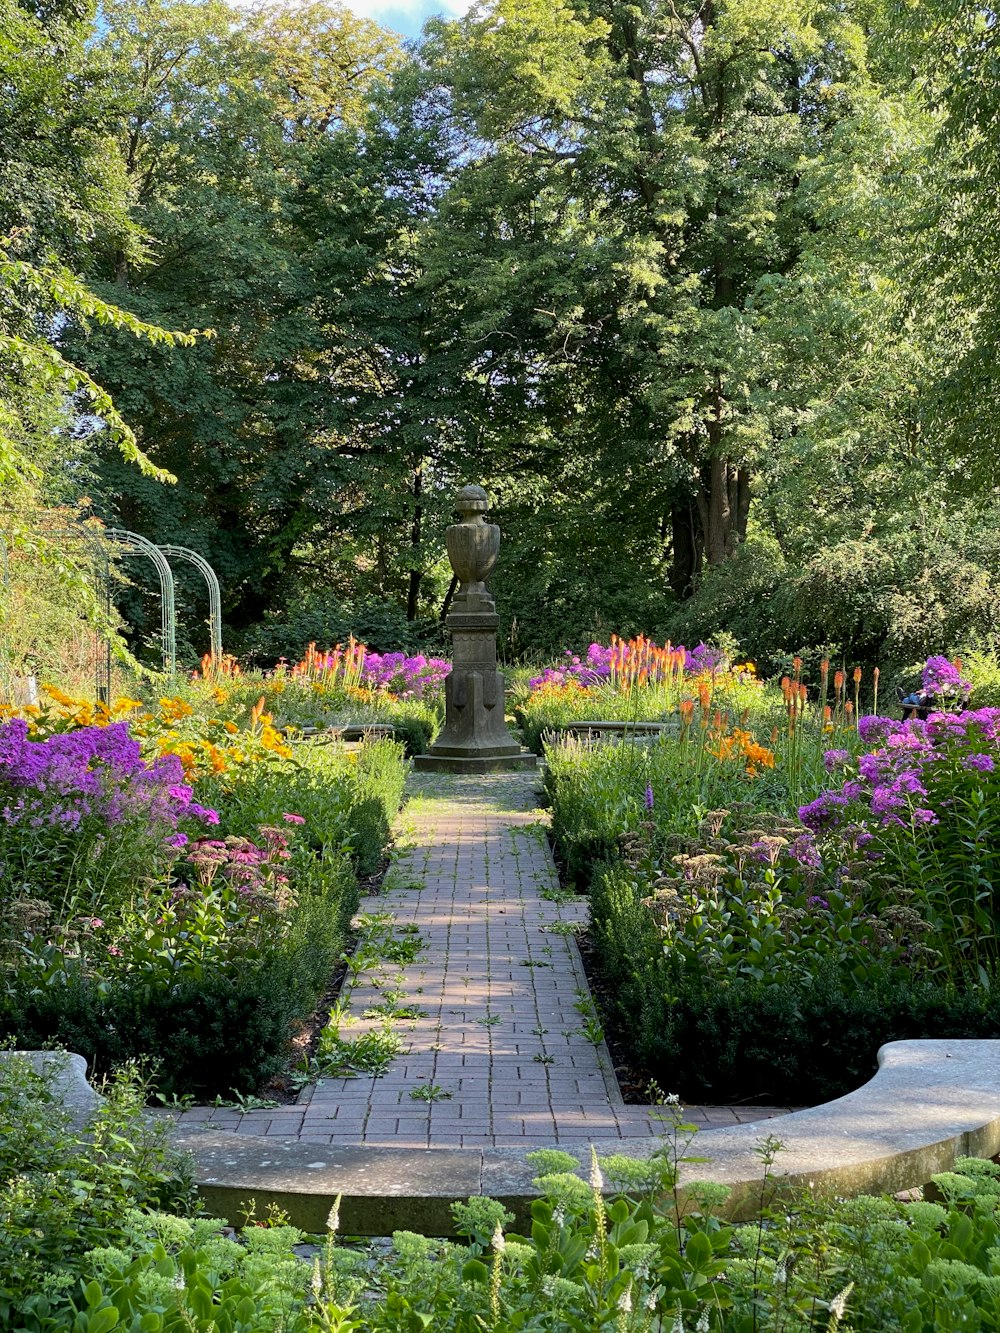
pixel 214 593
pixel 136 544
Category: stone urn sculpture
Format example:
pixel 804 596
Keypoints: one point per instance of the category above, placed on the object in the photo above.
pixel 473 548
pixel 474 738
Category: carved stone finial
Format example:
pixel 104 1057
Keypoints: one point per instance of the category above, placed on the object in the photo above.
pixel 472 503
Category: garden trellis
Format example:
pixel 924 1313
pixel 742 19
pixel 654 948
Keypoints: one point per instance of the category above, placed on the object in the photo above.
pixel 214 593
pixel 134 543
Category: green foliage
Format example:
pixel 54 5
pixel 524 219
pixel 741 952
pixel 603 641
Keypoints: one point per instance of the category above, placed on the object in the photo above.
pixel 64 1189
pixel 211 972
pixel 220 1025
pixel 287 632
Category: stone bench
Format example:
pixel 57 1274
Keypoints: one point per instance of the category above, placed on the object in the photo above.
pixel 351 731
pixel 930 1103
pixel 607 731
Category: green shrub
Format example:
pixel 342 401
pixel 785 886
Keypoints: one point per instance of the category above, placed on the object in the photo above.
pixel 325 621
pixel 725 1036
pixel 63 1190
pixel 213 995
pixel 345 798
pixel 636 1263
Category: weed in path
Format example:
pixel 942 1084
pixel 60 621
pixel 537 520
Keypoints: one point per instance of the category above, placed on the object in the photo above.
pixel 490 1021
pixel 244 1102
pixel 557 894
pixel 339 1057
pixel 430 1092
pixel 393 1011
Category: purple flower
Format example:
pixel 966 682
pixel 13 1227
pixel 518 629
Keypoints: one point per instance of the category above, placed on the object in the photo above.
pixel 873 729
pixel 834 758
pixel 942 679
pixel 978 763
pixel 818 902
pixel 805 851
pixel 825 812
pixel 649 797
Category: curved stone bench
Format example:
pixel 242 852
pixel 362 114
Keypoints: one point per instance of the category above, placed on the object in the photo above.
pixel 930 1103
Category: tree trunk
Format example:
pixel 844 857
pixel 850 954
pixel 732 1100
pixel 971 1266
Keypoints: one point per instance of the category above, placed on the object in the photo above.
pixel 723 507
pixel 686 550
pixel 416 573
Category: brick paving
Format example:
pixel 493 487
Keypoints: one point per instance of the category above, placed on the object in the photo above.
pixel 498 1056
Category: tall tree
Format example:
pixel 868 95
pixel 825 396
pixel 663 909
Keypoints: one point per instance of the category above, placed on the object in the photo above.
pixel 634 175
pixel 219 115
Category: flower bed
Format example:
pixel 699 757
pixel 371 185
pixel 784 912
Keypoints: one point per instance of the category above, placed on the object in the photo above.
pixel 637 680
pixel 760 931
pixel 181 893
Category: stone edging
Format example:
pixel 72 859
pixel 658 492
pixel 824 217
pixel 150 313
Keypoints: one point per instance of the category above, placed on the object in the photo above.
pixel 930 1103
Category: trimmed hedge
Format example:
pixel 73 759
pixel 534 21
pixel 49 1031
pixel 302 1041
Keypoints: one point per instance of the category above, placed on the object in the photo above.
pixel 227 1030
pixel 742 1041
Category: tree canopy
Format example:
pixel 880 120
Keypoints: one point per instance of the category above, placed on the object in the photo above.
pixel 704 291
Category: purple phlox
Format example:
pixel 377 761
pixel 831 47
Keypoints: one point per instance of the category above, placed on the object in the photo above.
pixel 827 811
pixel 835 758
pixel 803 849
pixel 89 773
pixel 873 729
pixel 978 763
pixel 943 680
pixel 403 675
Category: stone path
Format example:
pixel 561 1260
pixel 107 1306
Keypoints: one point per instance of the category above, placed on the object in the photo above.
pixel 499 1055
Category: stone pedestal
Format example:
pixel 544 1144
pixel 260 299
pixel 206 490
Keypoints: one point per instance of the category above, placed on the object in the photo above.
pixel 474 738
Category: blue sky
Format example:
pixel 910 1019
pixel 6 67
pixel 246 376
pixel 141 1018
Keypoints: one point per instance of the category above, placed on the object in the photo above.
pixel 406 16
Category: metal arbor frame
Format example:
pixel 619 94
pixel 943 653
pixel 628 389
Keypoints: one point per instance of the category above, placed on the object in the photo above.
pixel 136 544
pixel 214 593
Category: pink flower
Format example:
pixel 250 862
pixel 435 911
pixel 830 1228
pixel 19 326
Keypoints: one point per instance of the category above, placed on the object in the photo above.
pixel 292 819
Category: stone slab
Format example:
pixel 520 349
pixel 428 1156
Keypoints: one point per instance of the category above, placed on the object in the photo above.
pixel 381 1190
pixel 930 1103
pixel 507 763
pixel 66 1075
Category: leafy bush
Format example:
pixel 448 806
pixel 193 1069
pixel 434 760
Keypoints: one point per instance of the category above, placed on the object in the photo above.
pixel 286 634
pixel 732 999
pixel 63 1190
pixel 210 986
pixel 343 799
pixel 643 1261
pixel 882 601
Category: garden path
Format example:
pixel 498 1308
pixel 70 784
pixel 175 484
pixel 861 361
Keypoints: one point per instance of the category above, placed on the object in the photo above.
pixel 499 1054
